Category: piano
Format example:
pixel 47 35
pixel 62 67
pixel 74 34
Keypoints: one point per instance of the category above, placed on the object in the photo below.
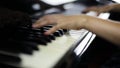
pixel 25 47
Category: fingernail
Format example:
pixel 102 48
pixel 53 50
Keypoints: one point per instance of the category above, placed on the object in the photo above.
pixel 34 26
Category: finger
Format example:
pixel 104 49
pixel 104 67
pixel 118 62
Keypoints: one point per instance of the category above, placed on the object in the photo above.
pixel 39 24
pixel 85 11
pixel 52 30
pixel 40 20
pixel 99 12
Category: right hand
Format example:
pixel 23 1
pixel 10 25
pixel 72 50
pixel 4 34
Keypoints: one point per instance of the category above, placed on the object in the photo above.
pixel 61 22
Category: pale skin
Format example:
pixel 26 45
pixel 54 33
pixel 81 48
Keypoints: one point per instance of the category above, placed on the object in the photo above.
pixel 107 29
pixel 103 9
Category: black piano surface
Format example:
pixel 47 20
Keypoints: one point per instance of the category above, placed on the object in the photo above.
pixel 17 35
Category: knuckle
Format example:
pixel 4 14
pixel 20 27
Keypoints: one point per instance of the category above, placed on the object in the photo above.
pixel 56 27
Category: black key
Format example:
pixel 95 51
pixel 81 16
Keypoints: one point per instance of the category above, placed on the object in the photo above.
pixel 46 37
pixel 49 26
pixel 46 28
pixel 4 57
pixel 3 65
pixel 61 32
pixel 39 35
pixel 33 38
pixel 39 40
pixel 27 50
pixel 52 37
pixel 32 45
pixel 64 30
pixel 57 33
pixel 22 47
pixel 9 47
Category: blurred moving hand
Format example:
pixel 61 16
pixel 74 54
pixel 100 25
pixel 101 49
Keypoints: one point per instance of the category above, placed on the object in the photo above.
pixel 100 9
pixel 61 22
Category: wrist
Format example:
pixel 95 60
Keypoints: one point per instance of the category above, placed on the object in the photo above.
pixel 86 21
pixel 89 22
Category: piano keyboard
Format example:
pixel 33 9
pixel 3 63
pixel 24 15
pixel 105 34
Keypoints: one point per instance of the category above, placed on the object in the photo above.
pixel 29 48
pixel 26 50
pixel 49 55
pixel 41 55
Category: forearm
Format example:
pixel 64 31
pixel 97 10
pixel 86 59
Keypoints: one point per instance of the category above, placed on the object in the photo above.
pixel 110 30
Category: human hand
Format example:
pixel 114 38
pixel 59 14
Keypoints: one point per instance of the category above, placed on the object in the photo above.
pixel 98 10
pixel 61 22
